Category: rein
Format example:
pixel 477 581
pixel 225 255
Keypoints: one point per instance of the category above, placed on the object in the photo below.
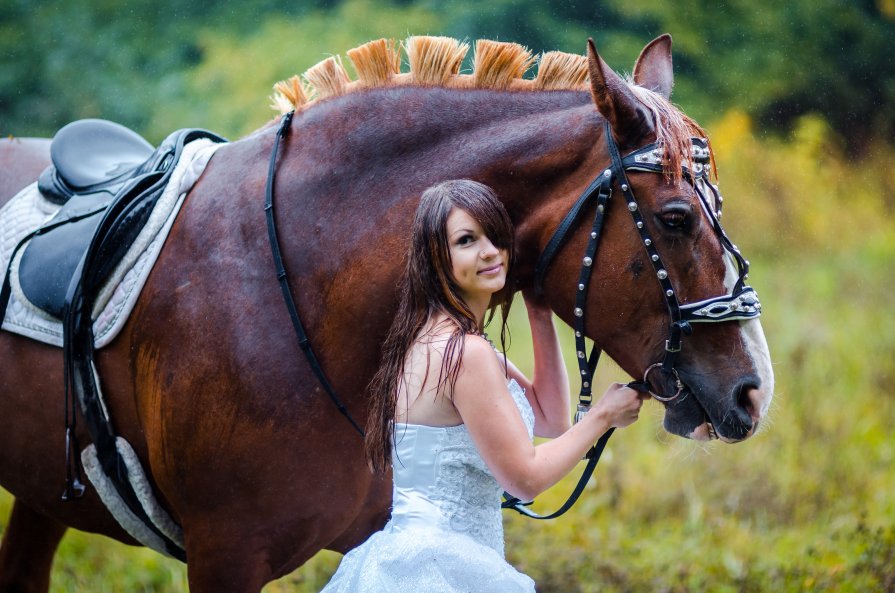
pixel 741 304
pixel 303 342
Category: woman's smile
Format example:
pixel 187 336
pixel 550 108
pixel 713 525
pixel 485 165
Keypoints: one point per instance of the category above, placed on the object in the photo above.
pixel 478 266
pixel 492 270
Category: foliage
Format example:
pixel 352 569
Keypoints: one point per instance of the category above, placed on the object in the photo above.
pixel 159 65
pixel 229 89
pixel 780 61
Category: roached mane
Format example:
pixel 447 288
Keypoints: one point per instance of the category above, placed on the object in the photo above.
pixel 435 61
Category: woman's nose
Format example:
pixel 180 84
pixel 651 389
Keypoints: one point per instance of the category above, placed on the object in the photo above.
pixel 488 250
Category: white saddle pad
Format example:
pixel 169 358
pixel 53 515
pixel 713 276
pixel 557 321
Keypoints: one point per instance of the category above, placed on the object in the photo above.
pixel 29 210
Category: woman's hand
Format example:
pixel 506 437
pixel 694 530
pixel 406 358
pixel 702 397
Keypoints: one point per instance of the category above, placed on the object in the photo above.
pixel 620 405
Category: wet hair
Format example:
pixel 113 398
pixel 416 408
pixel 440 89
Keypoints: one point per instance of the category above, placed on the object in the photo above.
pixel 428 287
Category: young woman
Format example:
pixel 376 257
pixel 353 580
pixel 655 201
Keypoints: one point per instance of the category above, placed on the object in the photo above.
pixel 454 420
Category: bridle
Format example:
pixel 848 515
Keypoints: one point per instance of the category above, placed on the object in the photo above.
pixel 740 304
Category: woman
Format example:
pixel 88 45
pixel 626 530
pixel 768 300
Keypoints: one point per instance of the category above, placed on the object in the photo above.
pixel 453 419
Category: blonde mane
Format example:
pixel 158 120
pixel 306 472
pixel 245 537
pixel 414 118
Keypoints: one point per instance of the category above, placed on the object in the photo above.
pixel 433 61
pixel 436 61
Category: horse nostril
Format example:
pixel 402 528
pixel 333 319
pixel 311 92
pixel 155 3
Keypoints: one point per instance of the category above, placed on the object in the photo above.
pixel 749 399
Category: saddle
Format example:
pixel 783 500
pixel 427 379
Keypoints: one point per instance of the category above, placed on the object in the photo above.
pixel 107 180
pixel 102 172
pixel 93 155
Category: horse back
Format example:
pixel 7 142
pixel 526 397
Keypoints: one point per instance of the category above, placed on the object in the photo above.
pixel 21 162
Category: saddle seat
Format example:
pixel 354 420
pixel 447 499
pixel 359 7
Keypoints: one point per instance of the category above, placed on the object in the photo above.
pixel 93 155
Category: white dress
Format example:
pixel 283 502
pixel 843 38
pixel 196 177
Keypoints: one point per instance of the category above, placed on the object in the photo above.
pixel 445 534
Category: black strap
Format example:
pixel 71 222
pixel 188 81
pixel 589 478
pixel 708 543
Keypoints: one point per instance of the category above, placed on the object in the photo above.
pixel 303 341
pixel 678 328
pixel 593 457
pixel 562 231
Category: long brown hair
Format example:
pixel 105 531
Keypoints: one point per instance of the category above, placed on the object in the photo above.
pixel 428 287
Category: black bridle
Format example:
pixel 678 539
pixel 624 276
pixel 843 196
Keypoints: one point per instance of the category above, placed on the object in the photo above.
pixel 741 304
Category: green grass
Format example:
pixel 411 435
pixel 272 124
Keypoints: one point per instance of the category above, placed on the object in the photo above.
pixel 806 505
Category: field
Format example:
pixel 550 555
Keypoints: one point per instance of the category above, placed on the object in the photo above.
pixel 806 505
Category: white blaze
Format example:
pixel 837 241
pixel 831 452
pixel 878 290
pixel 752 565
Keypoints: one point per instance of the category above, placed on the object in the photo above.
pixel 754 343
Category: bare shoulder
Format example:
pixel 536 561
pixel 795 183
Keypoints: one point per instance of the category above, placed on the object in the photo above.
pixel 479 360
pixel 478 348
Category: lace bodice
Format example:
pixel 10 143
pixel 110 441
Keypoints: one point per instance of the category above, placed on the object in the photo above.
pixel 445 534
pixel 441 480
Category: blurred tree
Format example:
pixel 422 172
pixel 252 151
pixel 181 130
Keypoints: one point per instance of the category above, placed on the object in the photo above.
pixel 779 61
pixel 228 90
pixel 156 64
pixel 67 59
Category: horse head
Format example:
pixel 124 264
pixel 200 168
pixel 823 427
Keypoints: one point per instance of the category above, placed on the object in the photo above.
pixel 662 257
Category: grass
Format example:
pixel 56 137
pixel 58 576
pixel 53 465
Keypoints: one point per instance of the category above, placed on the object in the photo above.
pixel 806 505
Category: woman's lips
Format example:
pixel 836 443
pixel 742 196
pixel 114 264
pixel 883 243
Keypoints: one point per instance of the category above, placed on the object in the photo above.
pixel 492 270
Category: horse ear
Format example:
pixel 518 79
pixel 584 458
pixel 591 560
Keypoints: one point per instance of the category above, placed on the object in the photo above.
pixel 653 68
pixel 614 99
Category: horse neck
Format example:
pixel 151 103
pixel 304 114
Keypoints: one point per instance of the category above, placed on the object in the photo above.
pixel 391 144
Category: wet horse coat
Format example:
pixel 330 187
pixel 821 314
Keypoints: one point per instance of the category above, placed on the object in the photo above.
pixel 206 380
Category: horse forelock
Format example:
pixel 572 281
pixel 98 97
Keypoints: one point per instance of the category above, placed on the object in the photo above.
pixel 674 130
pixel 432 61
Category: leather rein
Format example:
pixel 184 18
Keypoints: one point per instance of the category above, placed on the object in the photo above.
pixel 303 342
pixel 741 304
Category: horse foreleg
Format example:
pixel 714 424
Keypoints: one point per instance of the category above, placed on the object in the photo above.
pixel 26 553
pixel 226 564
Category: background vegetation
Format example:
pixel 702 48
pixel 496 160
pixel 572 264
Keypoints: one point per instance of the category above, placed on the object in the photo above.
pixel 799 98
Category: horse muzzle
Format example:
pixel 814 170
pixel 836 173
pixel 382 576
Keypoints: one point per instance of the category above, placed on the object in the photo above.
pixel 731 419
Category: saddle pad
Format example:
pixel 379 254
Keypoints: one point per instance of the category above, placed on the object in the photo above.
pixel 29 210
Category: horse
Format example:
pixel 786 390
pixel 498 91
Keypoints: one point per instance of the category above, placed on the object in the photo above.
pixel 207 381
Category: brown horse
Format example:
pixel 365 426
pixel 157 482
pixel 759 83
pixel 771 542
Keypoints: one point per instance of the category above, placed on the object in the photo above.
pixel 206 380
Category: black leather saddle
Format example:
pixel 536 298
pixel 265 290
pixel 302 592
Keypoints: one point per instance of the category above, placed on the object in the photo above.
pixel 100 170
pixel 92 155
pixel 108 180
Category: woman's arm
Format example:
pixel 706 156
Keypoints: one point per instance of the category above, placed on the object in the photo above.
pixel 548 389
pixel 486 407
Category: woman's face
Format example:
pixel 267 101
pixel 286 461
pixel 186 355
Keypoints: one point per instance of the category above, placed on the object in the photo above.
pixel 479 268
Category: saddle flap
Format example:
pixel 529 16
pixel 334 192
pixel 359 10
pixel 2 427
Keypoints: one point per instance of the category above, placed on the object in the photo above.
pixel 49 261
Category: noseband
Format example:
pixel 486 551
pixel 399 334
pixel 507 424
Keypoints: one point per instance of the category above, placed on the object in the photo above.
pixel 741 304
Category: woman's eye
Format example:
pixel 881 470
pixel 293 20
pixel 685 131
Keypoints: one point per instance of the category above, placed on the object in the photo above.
pixel 465 240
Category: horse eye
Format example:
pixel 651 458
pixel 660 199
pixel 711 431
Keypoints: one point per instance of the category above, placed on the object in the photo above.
pixel 674 217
